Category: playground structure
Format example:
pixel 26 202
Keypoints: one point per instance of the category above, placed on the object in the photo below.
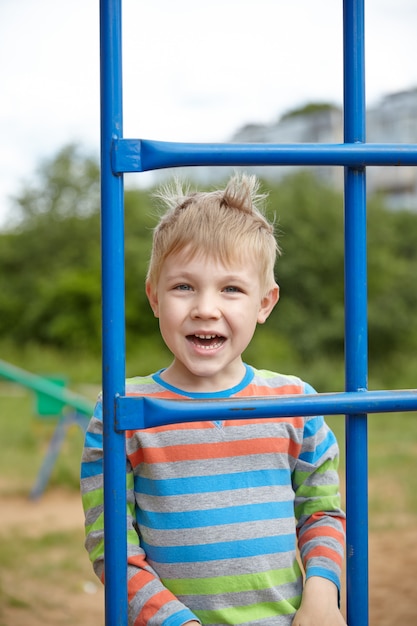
pixel 120 155
pixel 52 400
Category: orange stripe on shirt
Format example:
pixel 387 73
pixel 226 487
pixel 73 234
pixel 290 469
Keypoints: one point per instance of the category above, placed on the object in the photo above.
pixel 168 395
pixel 168 427
pixel 254 391
pixel 315 517
pixel 322 531
pixel 137 582
pixel 261 391
pixel 199 451
pixel 322 552
pixel 296 422
pixel 143 576
pixel 152 607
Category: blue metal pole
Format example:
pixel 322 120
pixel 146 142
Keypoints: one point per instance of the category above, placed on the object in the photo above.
pixel 112 227
pixel 135 412
pixel 140 155
pixel 356 348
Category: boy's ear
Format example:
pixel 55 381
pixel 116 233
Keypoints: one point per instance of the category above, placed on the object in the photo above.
pixel 267 304
pixel 153 298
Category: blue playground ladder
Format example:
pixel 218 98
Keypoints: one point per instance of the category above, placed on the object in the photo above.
pixel 120 155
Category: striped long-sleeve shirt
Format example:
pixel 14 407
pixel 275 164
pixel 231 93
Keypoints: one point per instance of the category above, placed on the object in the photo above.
pixel 216 510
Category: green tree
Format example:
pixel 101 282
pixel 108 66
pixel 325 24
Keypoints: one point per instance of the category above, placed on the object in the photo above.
pixel 50 262
pixel 309 221
pixel 50 279
pixel 50 282
pixel 392 259
pixel 67 185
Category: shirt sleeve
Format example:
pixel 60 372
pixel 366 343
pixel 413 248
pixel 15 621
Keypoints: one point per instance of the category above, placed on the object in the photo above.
pixel 149 601
pixel 320 519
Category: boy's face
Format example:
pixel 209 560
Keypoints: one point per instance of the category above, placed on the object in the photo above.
pixel 207 315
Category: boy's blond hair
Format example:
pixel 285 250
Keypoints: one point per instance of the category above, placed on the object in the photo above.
pixel 228 224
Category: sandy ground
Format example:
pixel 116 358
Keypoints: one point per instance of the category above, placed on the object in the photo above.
pixel 38 602
pixel 73 597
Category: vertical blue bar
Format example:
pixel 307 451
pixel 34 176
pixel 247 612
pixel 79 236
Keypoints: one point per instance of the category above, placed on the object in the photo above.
pixel 356 328
pixel 112 234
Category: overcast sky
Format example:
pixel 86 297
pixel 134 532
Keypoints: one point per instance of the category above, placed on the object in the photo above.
pixel 194 70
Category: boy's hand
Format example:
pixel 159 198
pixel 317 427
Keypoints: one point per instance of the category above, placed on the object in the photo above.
pixel 319 605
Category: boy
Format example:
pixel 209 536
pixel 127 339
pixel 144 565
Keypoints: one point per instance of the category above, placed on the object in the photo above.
pixel 215 509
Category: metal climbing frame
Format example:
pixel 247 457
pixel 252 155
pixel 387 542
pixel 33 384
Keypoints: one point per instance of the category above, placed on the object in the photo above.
pixel 120 155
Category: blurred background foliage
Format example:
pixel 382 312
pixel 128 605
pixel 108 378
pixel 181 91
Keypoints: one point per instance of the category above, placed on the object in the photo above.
pixel 50 278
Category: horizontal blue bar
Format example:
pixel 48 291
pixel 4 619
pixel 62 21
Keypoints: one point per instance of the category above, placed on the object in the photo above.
pixel 140 155
pixel 143 412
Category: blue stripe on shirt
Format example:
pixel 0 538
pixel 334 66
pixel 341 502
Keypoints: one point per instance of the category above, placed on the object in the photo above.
pixel 93 440
pixel 216 517
pixel 245 548
pixel 93 468
pixel 312 426
pixel 312 456
pixel 207 484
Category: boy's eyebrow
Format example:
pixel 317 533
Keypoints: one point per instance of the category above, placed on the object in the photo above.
pixel 179 274
pixel 187 275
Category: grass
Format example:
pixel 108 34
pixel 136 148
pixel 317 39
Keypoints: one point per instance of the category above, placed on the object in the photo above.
pixel 392 440
pixel 392 483
pixel 31 566
pixel 27 549
pixel 25 439
pixel 43 568
pixel 43 579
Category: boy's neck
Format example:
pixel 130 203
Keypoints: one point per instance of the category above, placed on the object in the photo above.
pixel 183 379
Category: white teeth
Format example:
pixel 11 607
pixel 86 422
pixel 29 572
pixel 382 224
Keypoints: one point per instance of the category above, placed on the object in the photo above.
pixel 213 345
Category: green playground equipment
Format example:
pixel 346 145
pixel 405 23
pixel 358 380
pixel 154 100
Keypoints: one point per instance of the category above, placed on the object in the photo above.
pixel 52 399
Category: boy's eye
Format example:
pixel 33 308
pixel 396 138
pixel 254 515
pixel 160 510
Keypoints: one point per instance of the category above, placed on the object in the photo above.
pixel 183 287
pixel 232 289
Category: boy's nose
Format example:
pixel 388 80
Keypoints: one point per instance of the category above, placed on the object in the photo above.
pixel 205 307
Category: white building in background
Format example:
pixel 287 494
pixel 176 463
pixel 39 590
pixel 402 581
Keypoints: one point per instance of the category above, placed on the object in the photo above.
pixel 393 120
pixel 309 125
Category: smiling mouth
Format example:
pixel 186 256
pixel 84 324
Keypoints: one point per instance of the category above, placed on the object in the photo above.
pixel 207 342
